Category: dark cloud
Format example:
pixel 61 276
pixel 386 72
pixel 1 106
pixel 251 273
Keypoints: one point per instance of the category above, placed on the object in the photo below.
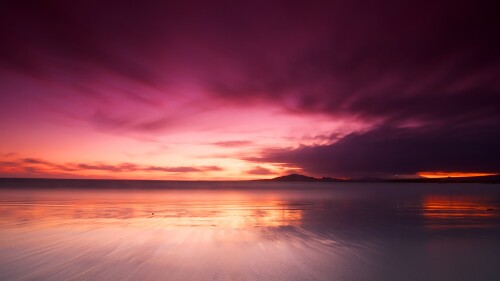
pixel 389 61
pixel 387 151
pixel 392 63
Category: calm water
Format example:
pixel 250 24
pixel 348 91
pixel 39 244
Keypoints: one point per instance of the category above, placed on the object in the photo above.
pixel 251 231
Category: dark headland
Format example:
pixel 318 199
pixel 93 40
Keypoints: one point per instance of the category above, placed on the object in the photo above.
pixel 303 178
pixel 36 183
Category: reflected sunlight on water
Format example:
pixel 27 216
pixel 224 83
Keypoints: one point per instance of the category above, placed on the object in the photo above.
pixel 194 235
pixel 226 211
pixel 459 212
pixel 345 232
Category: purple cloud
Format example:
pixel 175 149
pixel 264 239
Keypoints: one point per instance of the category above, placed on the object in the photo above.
pixel 421 75
pixel 388 151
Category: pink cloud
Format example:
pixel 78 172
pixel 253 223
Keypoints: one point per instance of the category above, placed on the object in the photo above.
pixel 43 167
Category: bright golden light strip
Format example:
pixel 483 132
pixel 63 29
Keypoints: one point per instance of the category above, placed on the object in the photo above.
pixel 434 175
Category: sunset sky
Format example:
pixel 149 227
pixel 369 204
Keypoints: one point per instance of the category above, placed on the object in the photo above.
pixel 248 89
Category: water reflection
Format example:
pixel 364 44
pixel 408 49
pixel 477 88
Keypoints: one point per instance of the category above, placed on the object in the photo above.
pixel 364 232
pixel 187 235
pixel 445 212
pixel 165 209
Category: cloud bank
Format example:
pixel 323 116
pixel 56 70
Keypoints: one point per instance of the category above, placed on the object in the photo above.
pixel 411 86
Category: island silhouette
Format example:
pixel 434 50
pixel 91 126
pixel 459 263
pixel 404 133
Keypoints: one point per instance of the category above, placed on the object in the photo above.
pixel 304 178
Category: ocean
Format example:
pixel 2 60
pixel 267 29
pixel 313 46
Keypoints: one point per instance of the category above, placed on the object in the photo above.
pixel 160 230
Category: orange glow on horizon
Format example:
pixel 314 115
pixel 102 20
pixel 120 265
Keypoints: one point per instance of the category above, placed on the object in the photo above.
pixel 435 175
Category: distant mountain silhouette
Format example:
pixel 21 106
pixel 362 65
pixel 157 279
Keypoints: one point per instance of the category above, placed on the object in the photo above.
pixel 302 178
pixel 163 184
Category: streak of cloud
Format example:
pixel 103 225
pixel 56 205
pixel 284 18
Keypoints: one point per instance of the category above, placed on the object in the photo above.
pixel 34 165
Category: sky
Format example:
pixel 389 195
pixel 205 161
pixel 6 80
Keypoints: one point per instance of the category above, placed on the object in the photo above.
pixel 225 90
